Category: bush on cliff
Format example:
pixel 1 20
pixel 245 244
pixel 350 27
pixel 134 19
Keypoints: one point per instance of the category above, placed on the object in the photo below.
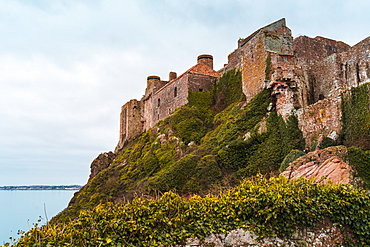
pixel 197 149
pixel 268 207
pixel 356 116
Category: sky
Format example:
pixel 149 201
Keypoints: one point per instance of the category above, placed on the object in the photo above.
pixel 67 66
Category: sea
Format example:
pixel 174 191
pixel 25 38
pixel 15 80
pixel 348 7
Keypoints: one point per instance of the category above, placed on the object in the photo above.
pixel 21 209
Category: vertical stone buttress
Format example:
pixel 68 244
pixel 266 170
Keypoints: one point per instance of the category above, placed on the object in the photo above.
pixel 131 124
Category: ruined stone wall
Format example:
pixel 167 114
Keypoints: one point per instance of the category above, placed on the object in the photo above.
pixel 279 40
pixel 253 66
pixel 260 54
pixel 309 51
pixel 234 59
pixel 339 71
pixel 356 64
pixel 326 78
pixel 131 124
pixel 322 118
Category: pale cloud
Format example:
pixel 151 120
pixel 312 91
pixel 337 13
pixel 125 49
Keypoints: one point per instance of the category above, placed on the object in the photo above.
pixel 66 67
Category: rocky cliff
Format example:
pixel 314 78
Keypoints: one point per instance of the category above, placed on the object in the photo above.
pixel 273 112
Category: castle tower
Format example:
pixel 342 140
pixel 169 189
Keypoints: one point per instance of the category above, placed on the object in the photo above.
pixel 172 76
pixel 206 59
pixel 154 83
pixel 130 122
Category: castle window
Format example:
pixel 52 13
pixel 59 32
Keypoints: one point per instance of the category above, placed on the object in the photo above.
pixel 135 107
pixel 175 92
pixel 159 102
pixel 200 89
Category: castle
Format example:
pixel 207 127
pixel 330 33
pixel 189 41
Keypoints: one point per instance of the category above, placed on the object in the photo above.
pixel 306 75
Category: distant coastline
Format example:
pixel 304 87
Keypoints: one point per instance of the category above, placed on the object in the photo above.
pixel 41 187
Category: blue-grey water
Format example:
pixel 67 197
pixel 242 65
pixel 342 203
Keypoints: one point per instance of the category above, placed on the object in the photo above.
pixel 20 209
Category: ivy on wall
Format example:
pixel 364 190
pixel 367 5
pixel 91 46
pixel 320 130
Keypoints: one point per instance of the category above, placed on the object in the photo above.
pixel 356 116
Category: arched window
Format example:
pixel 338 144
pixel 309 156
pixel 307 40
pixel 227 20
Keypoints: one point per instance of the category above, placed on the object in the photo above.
pixel 159 102
pixel 175 92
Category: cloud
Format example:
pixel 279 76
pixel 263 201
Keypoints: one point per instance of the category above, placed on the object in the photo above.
pixel 66 67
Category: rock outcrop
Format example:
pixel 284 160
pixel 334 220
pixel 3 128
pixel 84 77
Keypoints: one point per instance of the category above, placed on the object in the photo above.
pixel 325 234
pixel 101 162
pixel 323 165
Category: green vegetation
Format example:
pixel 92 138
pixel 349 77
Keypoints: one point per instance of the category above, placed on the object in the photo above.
pixel 207 147
pixel 211 143
pixel 356 129
pixel 268 207
pixel 360 159
pixel 227 91
pixel 356 116
pixel 268 67
pixel 292 156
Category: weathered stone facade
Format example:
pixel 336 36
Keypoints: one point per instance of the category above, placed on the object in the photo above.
pixel 163 97
pixel 307 77
pixel 259 54
pixel 325 80
pixel 321 119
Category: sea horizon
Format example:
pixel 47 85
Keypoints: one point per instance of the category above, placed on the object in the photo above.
pixel 21 209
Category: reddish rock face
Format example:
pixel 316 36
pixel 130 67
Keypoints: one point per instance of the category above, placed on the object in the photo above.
pixel 323 165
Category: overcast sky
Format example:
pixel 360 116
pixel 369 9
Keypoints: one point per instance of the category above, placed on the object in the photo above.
pixel 67 66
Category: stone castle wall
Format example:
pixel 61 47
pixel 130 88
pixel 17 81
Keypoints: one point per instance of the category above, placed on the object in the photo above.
pixel 309 51
pixel 307 76
pixel 321 119
pixel 163 97
pixel 327 79
pixel 131 123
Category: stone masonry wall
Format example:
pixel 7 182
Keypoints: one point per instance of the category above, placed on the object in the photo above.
pixel 321 119
pixel 307 76
pixel 163 97
pixel 356 64
pixel 309 51
pixel 253 66
pixel 259 54
pixel 175 94
pixel 168 99
pixel 326 78
pixel 131 124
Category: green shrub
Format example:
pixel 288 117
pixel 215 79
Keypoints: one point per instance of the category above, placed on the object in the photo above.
pixel 292 156
pixel 228 90
pixel 356 116
pixel 360 159
pixel 268 207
